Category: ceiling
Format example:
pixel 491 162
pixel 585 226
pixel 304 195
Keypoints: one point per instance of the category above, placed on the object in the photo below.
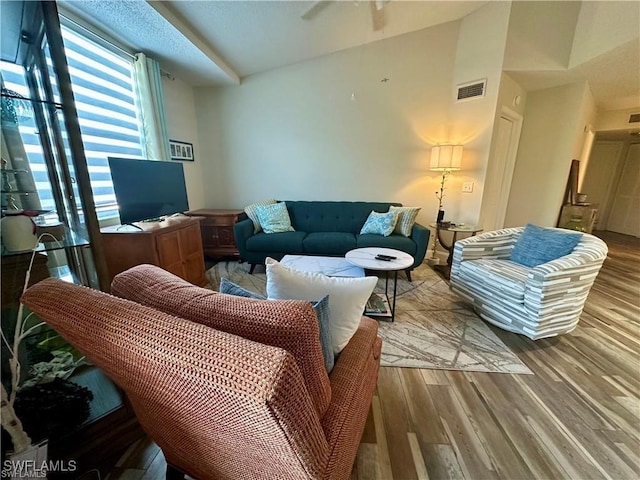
pixel 215 43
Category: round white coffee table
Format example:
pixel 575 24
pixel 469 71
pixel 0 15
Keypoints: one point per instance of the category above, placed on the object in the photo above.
pixel 366 258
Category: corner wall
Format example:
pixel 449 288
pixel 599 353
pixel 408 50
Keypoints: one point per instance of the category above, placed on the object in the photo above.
pixel 182 126
pixel 553 134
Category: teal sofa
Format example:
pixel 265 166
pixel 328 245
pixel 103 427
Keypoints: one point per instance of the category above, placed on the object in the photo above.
pixel 328 229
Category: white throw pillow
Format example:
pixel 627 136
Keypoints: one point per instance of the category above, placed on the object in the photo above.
pixel 347 296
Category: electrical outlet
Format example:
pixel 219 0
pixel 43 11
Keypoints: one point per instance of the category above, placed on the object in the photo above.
pixel 467 187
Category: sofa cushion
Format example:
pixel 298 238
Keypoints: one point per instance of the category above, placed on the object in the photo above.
pixel 290 325
pixel 333 216
pixel 539 245
pixel 321 308
pixel 274 218
pixel 329 243
pixel 285 242
pixel 347 296
pixel 380 224
pixel 503 277
pixel 397 242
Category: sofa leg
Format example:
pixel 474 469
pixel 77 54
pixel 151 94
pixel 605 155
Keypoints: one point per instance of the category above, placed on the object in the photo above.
pixel 253 267
pixel 408 272
pixel 173 473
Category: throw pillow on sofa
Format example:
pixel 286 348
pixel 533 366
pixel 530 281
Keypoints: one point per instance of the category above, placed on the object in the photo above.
pixel 321 308
pixel 347 296
pixel 539 245
pixel 274 218
pixel 380 223
pixel 251 213
pixel 406 219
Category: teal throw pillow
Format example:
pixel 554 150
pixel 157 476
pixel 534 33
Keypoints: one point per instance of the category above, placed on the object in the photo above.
pixel 380 223
pixel 274 218
pixel 406 219
pixel 322 312
pixel 539 245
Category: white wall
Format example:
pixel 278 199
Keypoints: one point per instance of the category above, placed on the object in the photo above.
pixel 553 134
pixel 602 26
pixel 479 54
pixel 182 126
pixel 296 132
pixel 616 120
pixel 332 129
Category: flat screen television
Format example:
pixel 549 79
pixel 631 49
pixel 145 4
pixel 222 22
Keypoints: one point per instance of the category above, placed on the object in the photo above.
pixel 148 189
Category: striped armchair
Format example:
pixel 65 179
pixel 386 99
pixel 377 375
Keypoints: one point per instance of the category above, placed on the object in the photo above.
pixel 537 302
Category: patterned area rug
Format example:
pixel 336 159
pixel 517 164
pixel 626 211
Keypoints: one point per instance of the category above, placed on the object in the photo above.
pixel 433 328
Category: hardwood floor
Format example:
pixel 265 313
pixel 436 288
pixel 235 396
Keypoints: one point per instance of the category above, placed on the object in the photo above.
pixel 578 417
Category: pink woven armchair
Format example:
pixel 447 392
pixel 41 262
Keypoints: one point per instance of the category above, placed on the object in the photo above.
pixel 228 387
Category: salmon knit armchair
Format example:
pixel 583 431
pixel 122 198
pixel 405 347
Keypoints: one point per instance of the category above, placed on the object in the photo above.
pixel 228 387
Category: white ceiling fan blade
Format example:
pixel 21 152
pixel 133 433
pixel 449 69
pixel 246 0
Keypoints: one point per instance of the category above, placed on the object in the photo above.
pixel 315 9
pixel 377 14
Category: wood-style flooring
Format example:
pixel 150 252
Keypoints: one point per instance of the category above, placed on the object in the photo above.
pixel 578 417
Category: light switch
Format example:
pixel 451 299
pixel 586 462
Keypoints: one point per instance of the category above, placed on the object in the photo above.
pixel 467 187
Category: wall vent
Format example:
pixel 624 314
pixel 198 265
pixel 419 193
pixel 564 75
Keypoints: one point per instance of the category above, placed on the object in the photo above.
pixel 471 90
pixel 634 118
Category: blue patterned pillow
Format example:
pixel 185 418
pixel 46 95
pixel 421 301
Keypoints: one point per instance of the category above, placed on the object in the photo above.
pixel 274 218
pixel 380 223
pixel 230 288
pixel 539 245
pixel 322 312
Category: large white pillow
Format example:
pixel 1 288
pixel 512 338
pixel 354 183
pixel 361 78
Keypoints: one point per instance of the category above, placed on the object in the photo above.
pixel 347 296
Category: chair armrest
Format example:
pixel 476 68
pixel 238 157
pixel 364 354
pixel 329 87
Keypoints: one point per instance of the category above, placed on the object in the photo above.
pixel 242 230
pixel 495 244
pixel 420 235
pixel 565 280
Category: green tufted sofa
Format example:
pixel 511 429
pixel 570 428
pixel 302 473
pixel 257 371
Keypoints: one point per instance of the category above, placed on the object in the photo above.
pixel 326 228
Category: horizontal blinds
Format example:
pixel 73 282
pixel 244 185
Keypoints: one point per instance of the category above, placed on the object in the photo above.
pixel 103 90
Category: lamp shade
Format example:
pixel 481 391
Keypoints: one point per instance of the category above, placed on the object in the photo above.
pixel 446 157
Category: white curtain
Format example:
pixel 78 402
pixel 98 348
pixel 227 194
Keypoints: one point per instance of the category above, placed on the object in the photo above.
pixel 150 98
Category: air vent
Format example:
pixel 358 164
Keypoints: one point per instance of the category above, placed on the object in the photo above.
pixel 471 90
pixel 634 118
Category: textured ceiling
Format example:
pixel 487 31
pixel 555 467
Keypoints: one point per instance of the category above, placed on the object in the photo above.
pixel 193 38
pixel 213 43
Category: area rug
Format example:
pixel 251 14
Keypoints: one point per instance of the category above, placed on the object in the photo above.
pixel 433 328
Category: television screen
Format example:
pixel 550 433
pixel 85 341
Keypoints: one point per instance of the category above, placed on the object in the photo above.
pixel 148 189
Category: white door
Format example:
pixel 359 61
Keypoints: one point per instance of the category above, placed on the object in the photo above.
pixel 624 216
pixel 503 163
pixel 600 176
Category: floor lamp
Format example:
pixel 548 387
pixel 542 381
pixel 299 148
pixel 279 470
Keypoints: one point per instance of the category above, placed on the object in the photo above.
pixel 445 159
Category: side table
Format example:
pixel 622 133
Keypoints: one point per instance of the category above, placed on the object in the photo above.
pixel 216 225
pixel 366 258
pixel 455 229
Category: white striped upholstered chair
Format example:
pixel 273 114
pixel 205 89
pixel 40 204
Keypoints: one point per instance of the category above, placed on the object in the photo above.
pixel 538 302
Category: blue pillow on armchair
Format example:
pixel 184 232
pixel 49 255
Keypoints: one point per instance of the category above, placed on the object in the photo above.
pixel 539 245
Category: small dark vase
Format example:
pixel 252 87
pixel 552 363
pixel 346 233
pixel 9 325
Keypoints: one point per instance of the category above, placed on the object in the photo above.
pixel 50 410
pixel 440 216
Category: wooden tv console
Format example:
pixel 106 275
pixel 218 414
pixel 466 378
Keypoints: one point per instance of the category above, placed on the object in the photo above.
pixel 174 244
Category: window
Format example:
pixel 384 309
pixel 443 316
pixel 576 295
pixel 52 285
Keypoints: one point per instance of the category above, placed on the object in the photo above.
pixel 103 89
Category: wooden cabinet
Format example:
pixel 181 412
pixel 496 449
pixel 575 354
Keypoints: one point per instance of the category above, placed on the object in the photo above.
pixel 216 225
pixel 174 245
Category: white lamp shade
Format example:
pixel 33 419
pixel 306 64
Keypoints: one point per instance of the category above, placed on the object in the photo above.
pixel 446 157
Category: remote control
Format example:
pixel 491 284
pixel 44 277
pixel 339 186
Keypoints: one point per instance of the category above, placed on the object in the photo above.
pixel 386 258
